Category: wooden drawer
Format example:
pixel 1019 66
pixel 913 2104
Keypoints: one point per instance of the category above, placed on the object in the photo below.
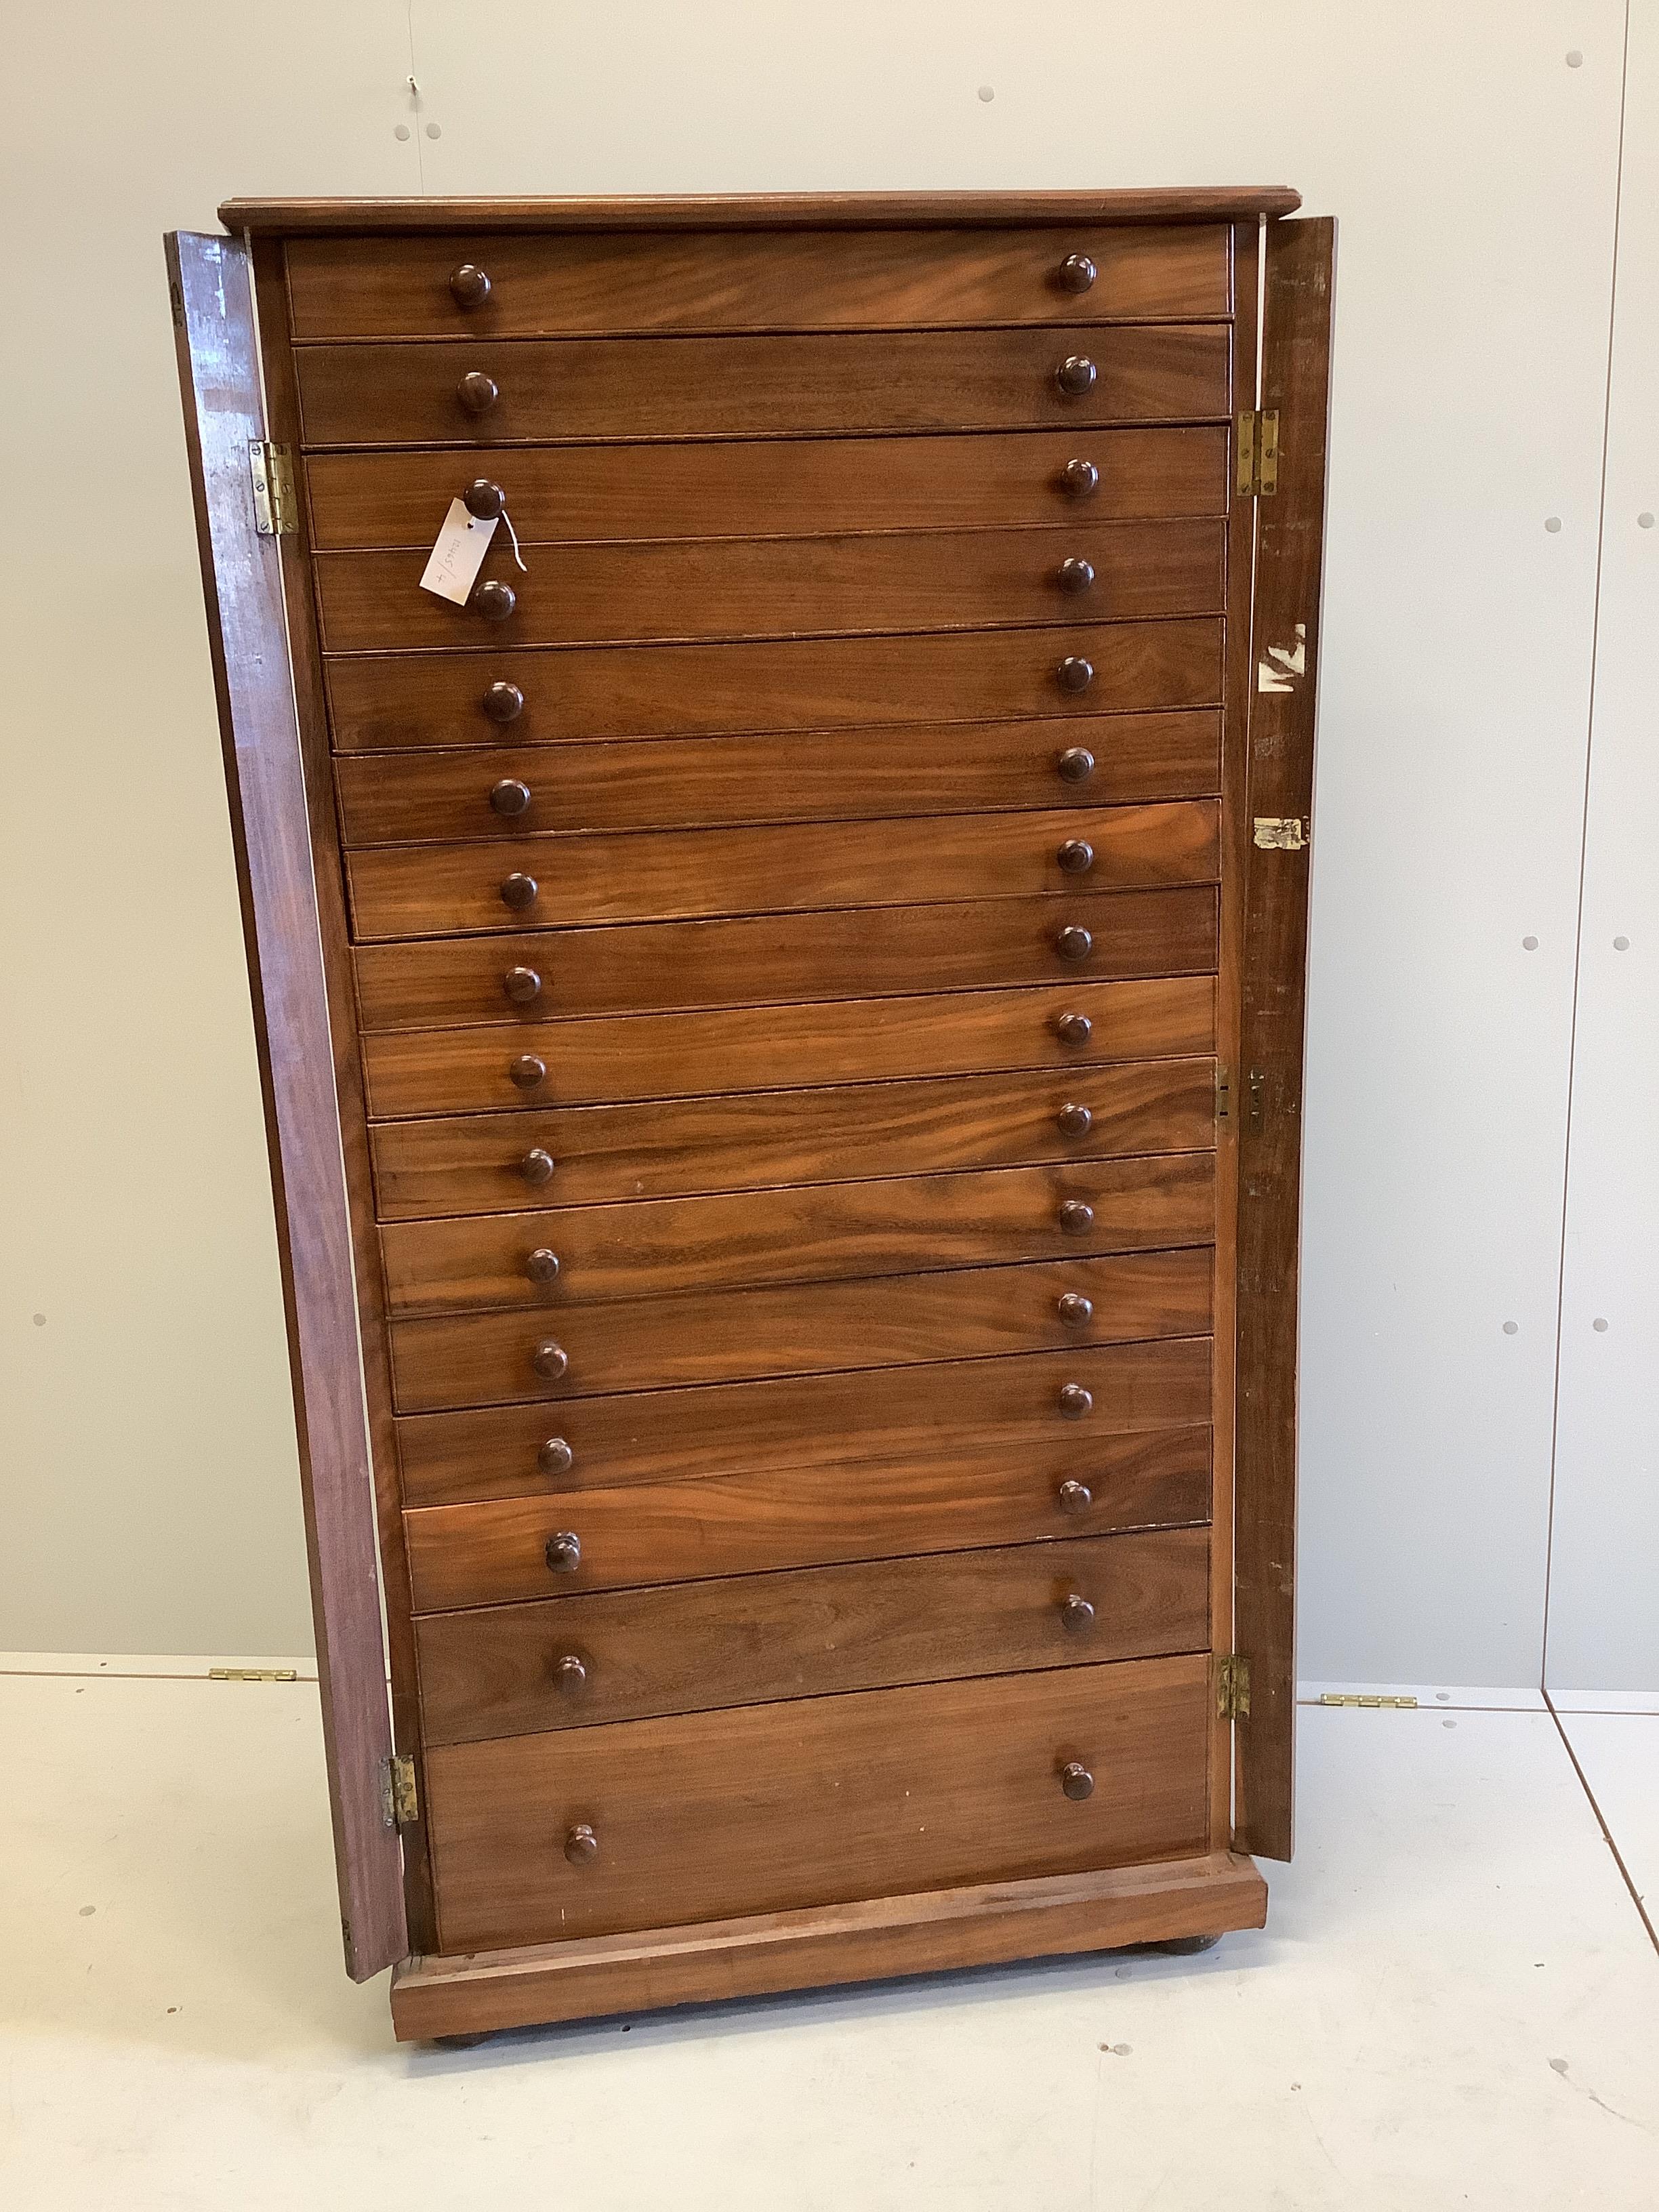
pixel 641 1056
pixel 772 1518
pixel 382 705
pixel 778 487
pixel 691 589
pixel 724 280
pixel 645 389
pixel 672 1340
pixel 688 1647
pixel 808 1233
pixel 761 1807
pixel 866 953
pixel 567 880
pixel 592 1155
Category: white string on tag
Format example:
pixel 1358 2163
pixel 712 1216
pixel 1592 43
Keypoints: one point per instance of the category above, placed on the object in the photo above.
pixel 513 535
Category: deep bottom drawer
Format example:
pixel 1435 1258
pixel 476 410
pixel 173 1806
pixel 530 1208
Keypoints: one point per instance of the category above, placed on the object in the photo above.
pixel 758 1809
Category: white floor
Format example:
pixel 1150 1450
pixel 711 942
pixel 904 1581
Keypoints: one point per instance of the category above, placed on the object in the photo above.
pixel 1456 2004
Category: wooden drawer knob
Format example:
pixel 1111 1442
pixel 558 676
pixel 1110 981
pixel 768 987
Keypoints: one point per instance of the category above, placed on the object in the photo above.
pixel 503 703
pixel 1076 1497
pixel 1074 1030
pixel 1075 765
pixel 1075 574
pixel 570 1676
pixel 537 1165
pixel 1073 942
pixel 582 1846
pixel 1075 375
pixel 527 1071
pixel 543 1264
pixel 469 285
pixel 556 1456
pixel 478 393
pixel 1076 1217
pixel 564 1553
pixel 1075 1781
pixel 1074 1310
pixel 495 600
pixel 521 985
pixel 1074 1402
pixel 1079 477
pixel 1074 673
pixel 1076 1612
pixel 1076 856
pixel 510 797
pixel 551 1361
pixel 483 501
pixel 519 890
pixel 1074 1121
pixel 1076 273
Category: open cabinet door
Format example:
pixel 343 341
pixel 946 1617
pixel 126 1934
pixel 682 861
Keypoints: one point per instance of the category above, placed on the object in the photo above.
pixel 241 569
pixel 1300 259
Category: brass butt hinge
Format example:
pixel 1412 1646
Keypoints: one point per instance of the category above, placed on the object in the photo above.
pixel 403 1803
pixel 253 1674
pixel 1223 1095
pixel 1258 455
pixel 1369 1705
pixel 1279 833
pixel 276 511
pixel 1232 1686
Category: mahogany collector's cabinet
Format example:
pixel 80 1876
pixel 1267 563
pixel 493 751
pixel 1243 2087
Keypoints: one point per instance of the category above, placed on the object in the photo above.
pixel 780 1021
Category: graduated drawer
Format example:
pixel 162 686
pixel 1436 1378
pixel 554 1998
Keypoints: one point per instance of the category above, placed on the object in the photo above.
pixel 546 695
pixel 717 387
pixel 570 878
pixel 501 285
pixel 688 1647
pixel 795 487
pixel 588 1155
pixel 864 953
pixel 932 1418
pixel 732 1049
pixel 758 1809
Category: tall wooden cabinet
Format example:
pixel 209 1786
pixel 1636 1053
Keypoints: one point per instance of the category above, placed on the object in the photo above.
pixel 781 1016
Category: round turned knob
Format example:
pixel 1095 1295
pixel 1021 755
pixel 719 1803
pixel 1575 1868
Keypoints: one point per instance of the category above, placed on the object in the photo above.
pixel 495 600
pixel 1077 1217
pixel 1076 273
pixel 542 1265
pixel 581 1844
pixel 519 890
pixel 483 501
pixel 1079 477
pixel 564 1553
pixel 510 797
pixel 477 392
pixel 469 286
pixel 1074 1310
pixel 1075 375
pixel 1075 765
pixel 537 1165
pixel 1075 1781
pixel 1073 942
pixel 1076 1497
pixel 1074 673
pixel 1074 1121
pixel 503 703
pixel 570 1676
pixel 527 1071
pixel 549 1360
pixel 521 985
pixel 1075 574
pixel 1073 1028
pixel 1076 1612
pixel 1075 1402
pixel 1076 856
pixel 556 1456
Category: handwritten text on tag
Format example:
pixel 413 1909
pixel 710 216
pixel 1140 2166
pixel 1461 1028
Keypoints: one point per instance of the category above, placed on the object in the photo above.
pixel 458 555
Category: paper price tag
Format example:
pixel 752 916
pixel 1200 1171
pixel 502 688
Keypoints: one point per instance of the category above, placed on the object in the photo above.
pixel 456 559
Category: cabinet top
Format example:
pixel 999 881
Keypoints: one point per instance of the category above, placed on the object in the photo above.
pixel 761 211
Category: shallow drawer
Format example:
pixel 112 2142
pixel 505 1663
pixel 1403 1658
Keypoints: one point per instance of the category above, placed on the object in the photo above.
pixel 762 1807
pixel 492 284
pixel 588 1155
pixel 649 388
pixel 383 703
pixel 934 1417
pixel 671 1340
pixel 692 589
pixel 731 1049
pixel 569 879
pixel 688 1647
pixel 779 487
pixel 866 953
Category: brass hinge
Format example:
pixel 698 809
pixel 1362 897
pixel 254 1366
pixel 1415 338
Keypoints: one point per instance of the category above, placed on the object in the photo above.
pixel 402 1799
pixel 1224 1093
pixel 1232 1686
pixel 276 512
pixel 1276 833
pixel 253 1674
pixel 1371 1704
pixel 1258 455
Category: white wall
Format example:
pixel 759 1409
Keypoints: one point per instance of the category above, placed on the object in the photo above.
pixel 1474 175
